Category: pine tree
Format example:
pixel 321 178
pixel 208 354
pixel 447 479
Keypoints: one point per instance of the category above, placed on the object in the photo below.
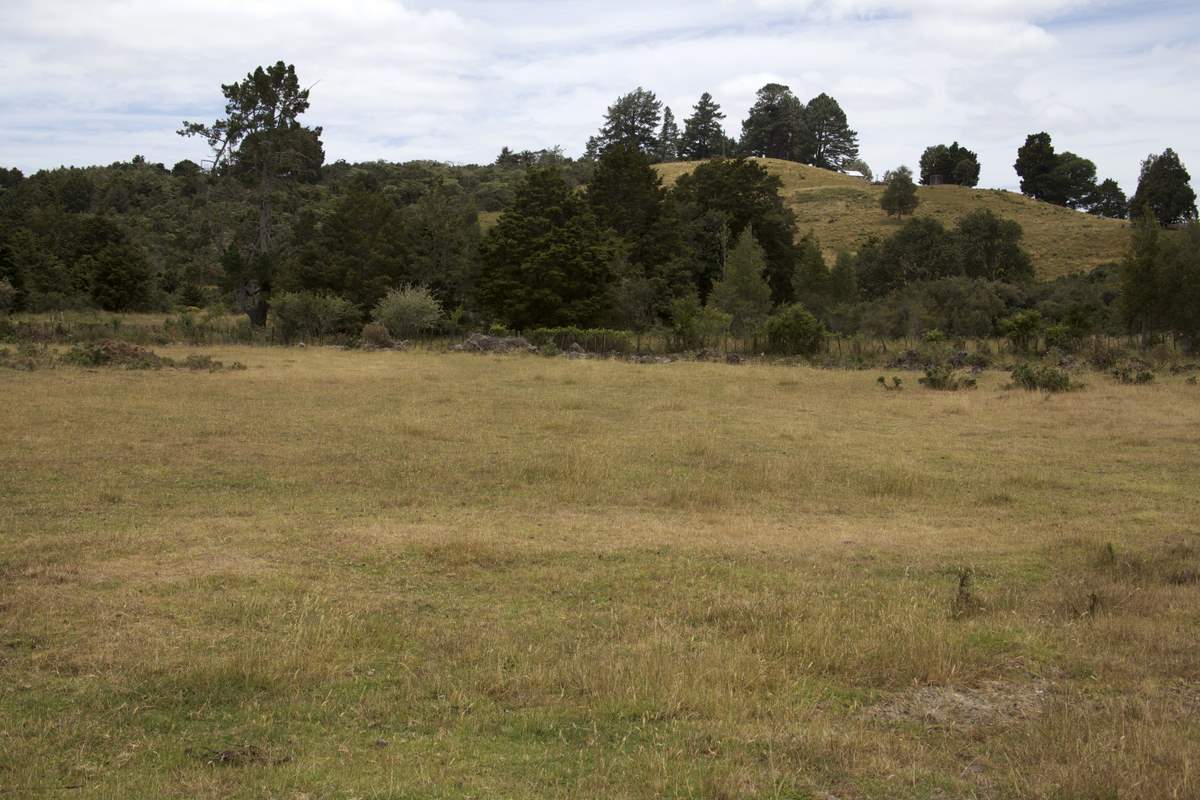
pixel 830 142
pixel 547 261
pixel 843 279
pixel 811 281
pixel 703 136
pixel 668 138
pixel 632 120
pixel 627 196
pixel 742 292
pixel 775 126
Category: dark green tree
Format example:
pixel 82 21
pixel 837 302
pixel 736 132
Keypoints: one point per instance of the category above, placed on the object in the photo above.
pixel 441 244
pixel 1108 201
pixel 830 141
pixel 1164 189
pixel 1072 182
pixel 632 120
pixel 900 196
pixel 262 142
pixel 626 195
pixel 668 138
pixel 811 281
pixel 949 164
pixel 922 250
pixel 547 261
pixel 843 279
pixel 775 127
pixel 1064 179
pixel 10 178
pixel 703 136
pixel 990 248
pixel 77 191
pixel 1036 159
pixel 1179 278
pixel 120 277
pixel 355 252
pixel 719 200
pixel 186 169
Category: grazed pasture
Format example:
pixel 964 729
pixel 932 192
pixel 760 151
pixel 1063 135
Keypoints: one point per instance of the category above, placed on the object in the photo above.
pixel 341 574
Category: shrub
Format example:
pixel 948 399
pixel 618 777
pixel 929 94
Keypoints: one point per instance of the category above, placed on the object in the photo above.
pixel 794 331
pixel 409 311
pixel 944 378
pixel 1103 357
pixel 1022 330
pixel 309 315
pixel 112 353
pixel 593 340
pixel 1130 375
pixel 376 336
pixel 1047 379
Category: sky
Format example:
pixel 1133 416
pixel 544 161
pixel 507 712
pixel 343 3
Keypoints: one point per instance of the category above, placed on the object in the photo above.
pixel 96 81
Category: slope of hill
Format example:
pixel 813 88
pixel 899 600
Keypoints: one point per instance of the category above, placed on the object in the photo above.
pixel 843 211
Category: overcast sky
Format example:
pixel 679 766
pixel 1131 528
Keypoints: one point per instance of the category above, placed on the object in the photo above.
pixel 95 81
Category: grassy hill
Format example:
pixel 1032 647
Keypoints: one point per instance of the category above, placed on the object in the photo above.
pixel 844 211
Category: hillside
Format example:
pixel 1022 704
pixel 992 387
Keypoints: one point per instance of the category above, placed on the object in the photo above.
pixel 844 211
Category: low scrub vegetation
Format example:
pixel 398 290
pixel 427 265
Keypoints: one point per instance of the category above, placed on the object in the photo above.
pixel 1035 377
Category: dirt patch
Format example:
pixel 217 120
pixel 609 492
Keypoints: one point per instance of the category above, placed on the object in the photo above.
pixel 961 708
pixel 240 756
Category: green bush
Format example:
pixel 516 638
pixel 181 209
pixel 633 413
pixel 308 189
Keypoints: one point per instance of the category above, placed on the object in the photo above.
pixel 409 311
pixel 1047 379
pixel 794 331
pixel 312 316
pixel 1130 375
pixel 1022 329
pixel 944 378
pixel 593 340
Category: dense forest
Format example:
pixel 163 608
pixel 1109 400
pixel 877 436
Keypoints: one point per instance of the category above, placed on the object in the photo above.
pixel 264 226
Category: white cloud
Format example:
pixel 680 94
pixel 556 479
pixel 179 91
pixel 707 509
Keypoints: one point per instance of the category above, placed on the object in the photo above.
pixel 92 81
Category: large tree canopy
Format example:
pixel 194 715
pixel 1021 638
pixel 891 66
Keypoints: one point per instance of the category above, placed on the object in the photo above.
pixel 1108 201
pixel 718 201
pixel 262 141
pixel 632 120
pixel 1064 179
pixel 1164 190
pixel 831 143
pixel 949 164
pixel 703 136
pixel 775 126
pixel 547 261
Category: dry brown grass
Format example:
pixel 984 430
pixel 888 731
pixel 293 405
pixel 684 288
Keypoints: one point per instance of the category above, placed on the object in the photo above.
pixel 420 575
pixel 843 212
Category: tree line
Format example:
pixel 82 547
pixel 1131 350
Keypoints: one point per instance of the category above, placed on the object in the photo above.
pixel 598 241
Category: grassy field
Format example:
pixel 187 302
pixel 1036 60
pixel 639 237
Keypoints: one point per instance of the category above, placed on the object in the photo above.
pixel 844 211
pixel 413 575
